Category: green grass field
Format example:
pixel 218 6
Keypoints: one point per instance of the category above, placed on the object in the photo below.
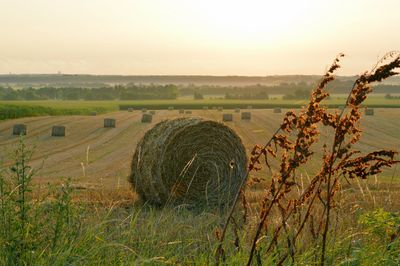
pixel 16 109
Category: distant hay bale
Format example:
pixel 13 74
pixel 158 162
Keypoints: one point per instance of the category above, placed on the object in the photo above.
pixel 109 122
pixel 152 112
pixel 19 129
pixel 214 107
pixel 170 108
pixel 246 116
pixel 237 110
pixel 147 118
pixel 369 111
pixel 249 107
pixel 277 110
pixel 144 110
pixel 205 107
pixel 227 117
pixel 220 108
pixel 180 162
pixel 188 112
pixel 130 109
pixel 181 111
pixel 93 113
pixel 58 131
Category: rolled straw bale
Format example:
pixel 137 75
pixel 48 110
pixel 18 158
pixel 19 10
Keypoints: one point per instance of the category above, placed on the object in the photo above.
pixel 246 116
pixel 237 110
pixel 109 122
pixel 277 110
pixel 152 112
pixel 58 131
pixel 227 117
pixel 181 111
pixel 147 118
pixel 369 111
pixel 188 161
pixel 130 109
pixel 19 129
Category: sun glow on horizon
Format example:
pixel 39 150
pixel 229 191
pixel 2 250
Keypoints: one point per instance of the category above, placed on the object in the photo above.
pixel 237 37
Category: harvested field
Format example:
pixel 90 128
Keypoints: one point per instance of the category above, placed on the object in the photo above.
pixel 91 154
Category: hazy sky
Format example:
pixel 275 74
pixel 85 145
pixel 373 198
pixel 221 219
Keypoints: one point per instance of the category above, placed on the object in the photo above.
pixel 219 37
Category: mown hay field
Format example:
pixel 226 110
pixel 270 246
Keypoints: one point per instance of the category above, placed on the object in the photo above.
pixel 97 158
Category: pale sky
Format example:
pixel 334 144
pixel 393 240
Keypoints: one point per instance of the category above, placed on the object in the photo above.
pixel 187 37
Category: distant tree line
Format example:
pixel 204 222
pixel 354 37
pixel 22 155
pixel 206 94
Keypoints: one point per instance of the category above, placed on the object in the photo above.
pixel 117 92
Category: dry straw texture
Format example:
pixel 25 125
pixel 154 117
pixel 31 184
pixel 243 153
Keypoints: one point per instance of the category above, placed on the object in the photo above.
pixel 152 112
pixel 147 118
pixel 237 110
pixel 188 161
pixel 58 131
pixel 188 112
pixel 19 129
pixel 181 111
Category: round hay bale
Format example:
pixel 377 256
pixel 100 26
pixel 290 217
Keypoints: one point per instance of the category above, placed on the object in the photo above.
pixel 277 110
pixel 246 116
pixel 188 161
pixel 227 117
pixel 147 118
pixel 237 110
pixel 181 111
pixel 109 122
pixel 152 112
pixel 58 131
pixel 19 129
pixel 188 112
pixel 130 109
pixel 369 111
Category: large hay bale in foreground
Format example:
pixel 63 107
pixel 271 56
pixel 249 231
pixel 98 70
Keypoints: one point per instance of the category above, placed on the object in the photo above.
pixel 58 131
pixel 246 116
pixel 19 129
pixel 227 117
pixel 369 111
pixel 277 110
pixel 147 118
pixel 188 161
pixel 109 122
